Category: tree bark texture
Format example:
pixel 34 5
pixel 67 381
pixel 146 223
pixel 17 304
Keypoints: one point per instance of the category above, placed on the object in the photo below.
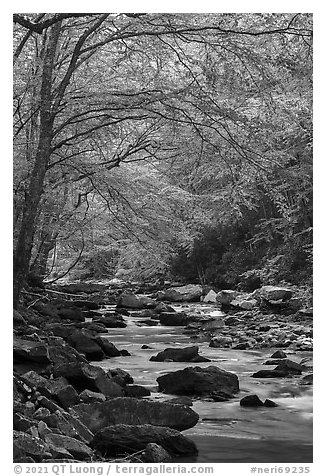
pixel 23 249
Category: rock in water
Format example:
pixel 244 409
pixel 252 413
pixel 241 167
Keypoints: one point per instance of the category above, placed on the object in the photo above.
pixel 131 438
pixel 199 381
pixel 132 411
pixel 134 301
pixel 84 342
pixel 155 454
pixel 279 354
pixel 251 401
pixel 189 293
pixel 187 354
pixel 173 319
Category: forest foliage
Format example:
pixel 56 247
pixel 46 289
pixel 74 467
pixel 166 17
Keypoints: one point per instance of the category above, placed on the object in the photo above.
pixel 152 146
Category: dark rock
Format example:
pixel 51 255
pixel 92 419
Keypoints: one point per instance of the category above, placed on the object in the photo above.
pixel 273 362
pixel 83 341
pixel 132 411
pixel 220 341
pixel 131 438
pixel 251 401
pixel 21 422
pixel 187 354
pixel 279 354
pixel 162 307
pixel 65 394
pixel 120 376
pixel 270 403
pixel 221 396
pixel 290 367
pixel 136 391
pixel 264 328
pixel 69 425
pixel 124 352
pixel 49 404
pixel 198 381
pixel 181 401
pixel 307 380
pixel 108 348
pixel 111 321
pixel 241 346
pixel 27 445
pixel 18 318
pixel 64 353
pixel 149 322
pixel 85 376
pixel 31 351
pixel 174 319
pixel 145 346
pixel 41 413
pixel 98 328
pixel 76 448
pixel 87 396
pixel 269 373
pixel 155 454
pixel 72 313
pixel 86 305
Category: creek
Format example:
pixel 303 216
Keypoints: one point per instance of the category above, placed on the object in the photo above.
pixel 226 432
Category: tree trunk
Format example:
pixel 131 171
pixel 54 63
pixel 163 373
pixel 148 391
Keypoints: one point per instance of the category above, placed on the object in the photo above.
pixel 25 239
pixel 38 268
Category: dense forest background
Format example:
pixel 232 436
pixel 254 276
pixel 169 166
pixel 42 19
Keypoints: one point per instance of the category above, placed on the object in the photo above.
pixel 163 146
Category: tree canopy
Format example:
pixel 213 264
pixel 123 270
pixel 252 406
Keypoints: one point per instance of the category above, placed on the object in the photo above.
pixel 162 144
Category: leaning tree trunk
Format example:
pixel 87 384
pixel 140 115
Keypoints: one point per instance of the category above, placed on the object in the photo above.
pixel 23 249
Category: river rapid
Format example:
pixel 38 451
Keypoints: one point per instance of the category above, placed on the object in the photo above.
pixel 226 432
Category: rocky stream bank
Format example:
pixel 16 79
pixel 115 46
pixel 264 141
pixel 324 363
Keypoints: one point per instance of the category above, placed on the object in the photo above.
pixel 69 409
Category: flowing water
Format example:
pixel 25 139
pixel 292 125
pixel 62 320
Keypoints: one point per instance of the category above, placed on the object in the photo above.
pixel 226 432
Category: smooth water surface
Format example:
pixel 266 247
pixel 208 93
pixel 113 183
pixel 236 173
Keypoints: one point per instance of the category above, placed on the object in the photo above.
pixel 226 432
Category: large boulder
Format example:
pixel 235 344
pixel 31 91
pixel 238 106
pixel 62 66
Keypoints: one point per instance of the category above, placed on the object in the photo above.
pixel 108 348
pixel 33 351
pixel 119 439
pixel 273 293
pixel 199 381
pixel 174 319
pixel 187 354
pixel 226 296
pixel 155 454
pixel 76 448
pixel 135 301
pixel 221 341
pixel 58 388
pixel 136 391
pixel 28 445
pixel 189 293
pixel 83 341
pixel 132 411
pixel 110 320
pixel 85 376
